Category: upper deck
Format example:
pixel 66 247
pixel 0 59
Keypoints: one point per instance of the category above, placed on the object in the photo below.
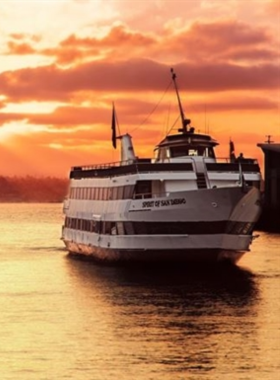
pixel 147 166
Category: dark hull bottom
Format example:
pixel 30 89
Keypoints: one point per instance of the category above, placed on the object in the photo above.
pixel 109 256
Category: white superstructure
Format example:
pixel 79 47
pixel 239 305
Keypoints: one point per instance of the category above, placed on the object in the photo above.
pixel 182 205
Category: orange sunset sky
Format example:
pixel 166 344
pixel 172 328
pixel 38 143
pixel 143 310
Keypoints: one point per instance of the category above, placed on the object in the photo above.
pixel 63 63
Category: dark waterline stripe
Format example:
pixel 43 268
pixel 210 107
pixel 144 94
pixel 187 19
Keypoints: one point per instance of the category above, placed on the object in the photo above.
pixel 160 228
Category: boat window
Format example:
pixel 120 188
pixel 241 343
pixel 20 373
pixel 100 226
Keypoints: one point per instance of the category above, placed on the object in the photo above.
pixel 193 152
pixel 113 228
pixel 120 228
pixel 87 225
pixel 106 228
pixel 109 193
pixel 95 226
pixel 114 193
pixel 163 153
pixel 105 193
pixel 80 224
pixel 140 228
pixel 183 151
pixel 82 193
pixel 156 154
pixel 209 152
pixel 197 151
pixel 71 193
pixel 90 193
pixel 128 191
pixel 128 226
pixel 100 197
pixel 96 193
pixel 143 189
pixel 120 192
pixel 179 151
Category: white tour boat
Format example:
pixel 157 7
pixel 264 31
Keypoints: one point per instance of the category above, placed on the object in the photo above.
pixel 183 205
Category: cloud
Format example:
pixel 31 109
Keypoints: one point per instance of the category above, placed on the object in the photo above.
pixel 273 7
pixel 119 42
pixel 74 126
pixel 8 117
pixel 20 48
pixel 72 116
pixel 53 83
pixel 34 84
pixel 223 40
pixel 82 55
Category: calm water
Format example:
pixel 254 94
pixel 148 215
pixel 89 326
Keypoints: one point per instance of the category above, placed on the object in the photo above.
pixel 66 319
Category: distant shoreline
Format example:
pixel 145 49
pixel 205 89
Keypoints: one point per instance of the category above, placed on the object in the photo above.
pixel 31 202
pixel 33 189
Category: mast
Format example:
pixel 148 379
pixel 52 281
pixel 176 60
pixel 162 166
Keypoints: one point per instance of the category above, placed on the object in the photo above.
pixel 185 122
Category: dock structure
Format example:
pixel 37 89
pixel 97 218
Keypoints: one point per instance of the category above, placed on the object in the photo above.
pixel 270 219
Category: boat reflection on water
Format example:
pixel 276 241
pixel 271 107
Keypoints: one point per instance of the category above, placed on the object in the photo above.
pixel 192 287
pixel 170 321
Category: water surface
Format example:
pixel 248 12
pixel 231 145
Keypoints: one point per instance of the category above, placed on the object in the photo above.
pixel 67 319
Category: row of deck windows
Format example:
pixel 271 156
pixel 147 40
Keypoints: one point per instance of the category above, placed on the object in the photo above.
pixel 100 227
pixel 142 189
pixel 184 151
pixel 158 228
pixel 102 193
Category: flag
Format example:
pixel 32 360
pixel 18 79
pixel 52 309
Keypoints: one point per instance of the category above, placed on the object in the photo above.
pixel 231 147
pixel 114 137
pixel 231 151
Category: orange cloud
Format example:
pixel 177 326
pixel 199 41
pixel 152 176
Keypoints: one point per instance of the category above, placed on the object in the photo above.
pixel 72 116
pixel 8 117
pixel 118 42
pixel 22 44
pixel 273 6
pixel 25 36
pixel 223 41
pixel 220 40
pixel 53 83
pixel 227 74
pixel 20 48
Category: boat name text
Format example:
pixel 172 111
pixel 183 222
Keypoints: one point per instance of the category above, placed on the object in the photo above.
pixel 163 203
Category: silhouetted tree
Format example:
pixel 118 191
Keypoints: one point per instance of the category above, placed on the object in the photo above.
pixel 32 189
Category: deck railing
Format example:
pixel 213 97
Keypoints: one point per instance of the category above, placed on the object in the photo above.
pixel 111 165
pixel 147 166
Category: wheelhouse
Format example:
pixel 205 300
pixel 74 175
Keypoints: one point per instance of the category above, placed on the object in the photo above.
pixel 188 144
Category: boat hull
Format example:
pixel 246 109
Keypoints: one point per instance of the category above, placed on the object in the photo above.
pixel 113 256
pixel 216 230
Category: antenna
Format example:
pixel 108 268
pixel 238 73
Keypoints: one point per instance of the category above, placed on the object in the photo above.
pixel 185 122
